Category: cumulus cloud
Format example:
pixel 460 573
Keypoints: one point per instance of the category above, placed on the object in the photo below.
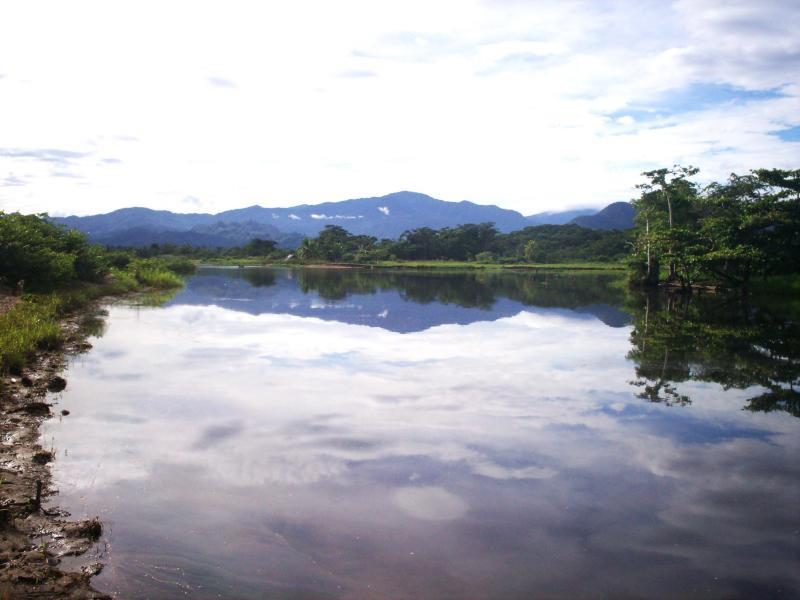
pixel 502 93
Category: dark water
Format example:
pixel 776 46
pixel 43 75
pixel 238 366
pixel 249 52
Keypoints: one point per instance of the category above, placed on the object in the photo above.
pixel 367 434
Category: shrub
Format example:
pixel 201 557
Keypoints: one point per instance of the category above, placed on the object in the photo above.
pixel 45 255
pixel 180 266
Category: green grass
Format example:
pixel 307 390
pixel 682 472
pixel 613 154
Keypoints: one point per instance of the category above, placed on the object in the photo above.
pixel 234 262
pixel 162 279
pixel 422 264
pixel 34 323
pixel 30 326
pixel 452 264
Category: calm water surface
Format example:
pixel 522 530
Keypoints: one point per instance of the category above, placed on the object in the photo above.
pixel 367 434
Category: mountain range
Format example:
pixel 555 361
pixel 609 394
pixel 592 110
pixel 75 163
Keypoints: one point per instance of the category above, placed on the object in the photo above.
pixel 383 217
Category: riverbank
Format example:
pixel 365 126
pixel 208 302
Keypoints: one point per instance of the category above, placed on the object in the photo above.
pixel 38 335
pixel 420 264
pixel 34 540
pixel 448 264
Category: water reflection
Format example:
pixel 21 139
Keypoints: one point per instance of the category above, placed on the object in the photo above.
pixel 390 299
pixel 261 453
pixel 721 339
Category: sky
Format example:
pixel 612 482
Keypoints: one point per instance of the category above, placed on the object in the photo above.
pixel 530 105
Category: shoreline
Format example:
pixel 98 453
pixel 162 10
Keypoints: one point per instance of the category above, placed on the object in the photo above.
pixel 35 538
pixel 420 265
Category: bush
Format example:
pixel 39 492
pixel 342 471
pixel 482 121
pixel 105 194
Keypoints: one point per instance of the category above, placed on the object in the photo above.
pixel 45 255
pixel 119 259
pixel 180 266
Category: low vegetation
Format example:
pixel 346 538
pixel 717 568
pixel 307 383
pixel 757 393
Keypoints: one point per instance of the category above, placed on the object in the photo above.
pixel 55 271
pixel 26 328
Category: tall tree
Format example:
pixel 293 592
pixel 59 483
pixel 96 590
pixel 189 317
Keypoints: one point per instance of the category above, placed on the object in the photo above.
pixel 664 206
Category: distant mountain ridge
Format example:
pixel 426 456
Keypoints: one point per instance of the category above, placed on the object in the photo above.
pixel 383 217
pixel 559 217
pixel 618 215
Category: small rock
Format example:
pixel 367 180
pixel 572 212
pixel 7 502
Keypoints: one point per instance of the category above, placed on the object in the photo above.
pixel 56 384
pixel 43 457
pixel 26 381
pixel 37 408
pixel 91 529
pixel 65 412
pixel 92 569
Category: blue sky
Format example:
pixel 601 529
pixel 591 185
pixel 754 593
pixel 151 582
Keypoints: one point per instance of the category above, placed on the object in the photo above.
pixel 200 106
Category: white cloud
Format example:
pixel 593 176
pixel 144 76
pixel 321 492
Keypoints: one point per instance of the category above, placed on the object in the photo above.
pixel 384 210
pixel 495 102
pixel 323 216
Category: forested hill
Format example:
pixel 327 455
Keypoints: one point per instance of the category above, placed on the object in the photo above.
pixel 382 217
pixel 618 215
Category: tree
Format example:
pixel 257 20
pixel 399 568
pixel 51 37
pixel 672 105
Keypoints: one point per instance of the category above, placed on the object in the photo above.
pixel 529 251
pixel 679 337
pixel 259 247
pixel 752 226
pixel 665 204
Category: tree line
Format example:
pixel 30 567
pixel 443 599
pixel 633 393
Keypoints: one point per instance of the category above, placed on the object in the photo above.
pixel 37 255
pixel 723 234
pixel 480 242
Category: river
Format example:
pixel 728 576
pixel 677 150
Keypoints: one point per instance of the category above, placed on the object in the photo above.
pixel 397 434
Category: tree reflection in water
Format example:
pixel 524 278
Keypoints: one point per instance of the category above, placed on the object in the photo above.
pixel 715 338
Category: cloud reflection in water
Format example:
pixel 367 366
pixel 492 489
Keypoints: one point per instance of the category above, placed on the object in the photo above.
pixel 498 458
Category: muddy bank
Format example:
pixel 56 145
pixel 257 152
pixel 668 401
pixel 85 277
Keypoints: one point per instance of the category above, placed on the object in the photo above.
pixel 35 542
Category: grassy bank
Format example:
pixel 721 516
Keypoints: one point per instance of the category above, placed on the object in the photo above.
pixel 33 324
pixel 451 264
pixel 420 264
pixel 253 261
